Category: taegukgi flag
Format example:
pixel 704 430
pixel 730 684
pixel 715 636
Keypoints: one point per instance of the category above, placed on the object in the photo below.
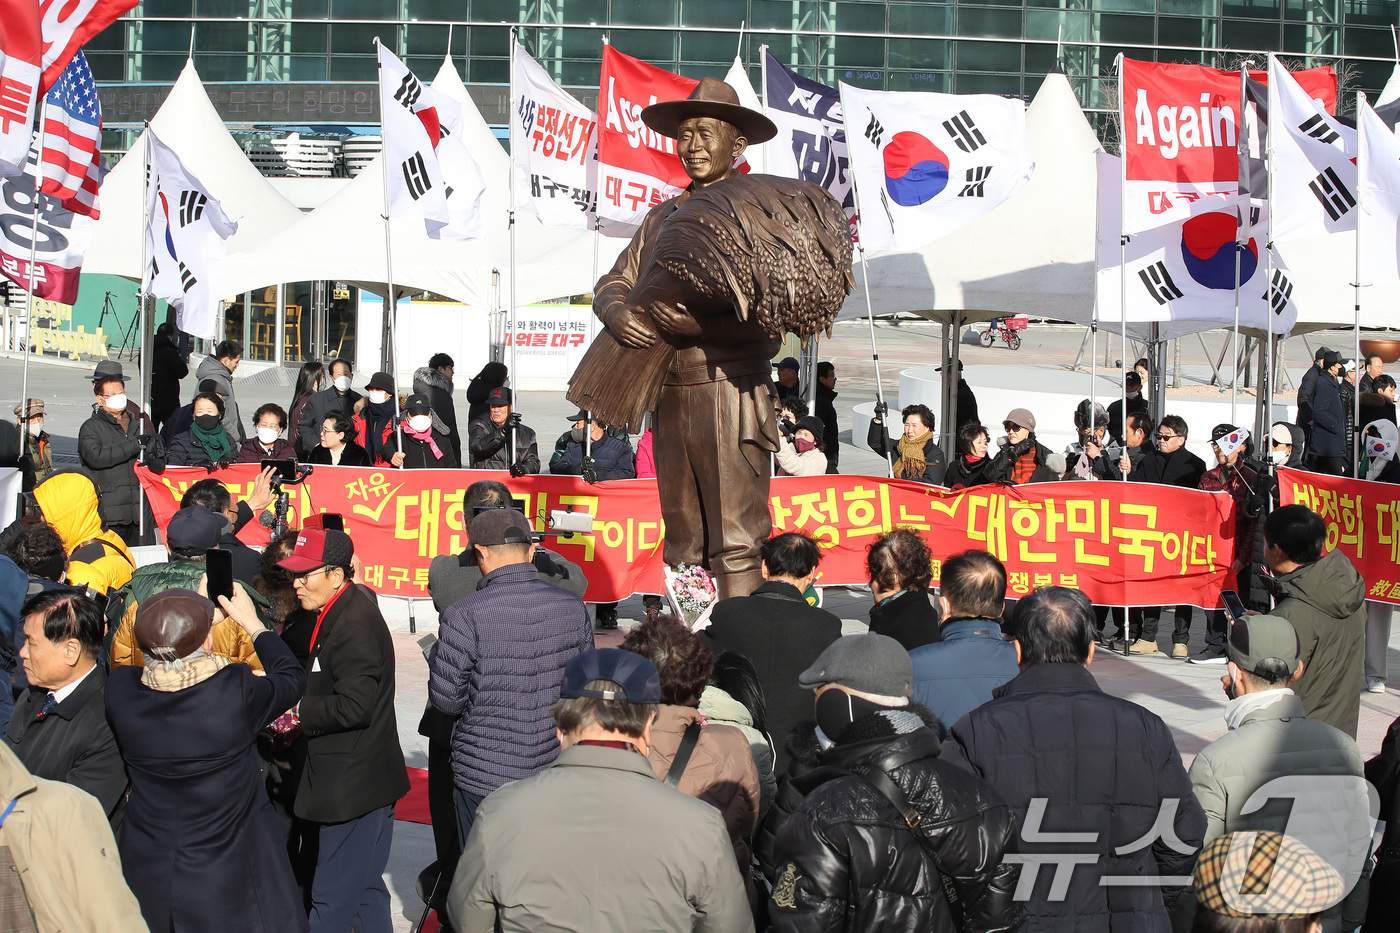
pixel 185 233
pixel 1314 163
pixel 927 164
pixel 411 133
pixel 554 148
pixel 811 140
pixel 1185 270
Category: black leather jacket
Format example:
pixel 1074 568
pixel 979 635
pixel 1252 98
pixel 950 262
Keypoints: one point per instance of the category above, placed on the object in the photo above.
pixel 847 860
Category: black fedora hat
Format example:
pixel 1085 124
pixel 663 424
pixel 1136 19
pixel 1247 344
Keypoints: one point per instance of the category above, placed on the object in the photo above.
pixel 711 98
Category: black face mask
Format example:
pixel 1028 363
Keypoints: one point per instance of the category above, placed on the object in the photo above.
pixel 207 422
pixel 837 709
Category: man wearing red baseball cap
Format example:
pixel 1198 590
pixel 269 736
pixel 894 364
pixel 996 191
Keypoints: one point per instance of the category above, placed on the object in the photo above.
pixel 354 766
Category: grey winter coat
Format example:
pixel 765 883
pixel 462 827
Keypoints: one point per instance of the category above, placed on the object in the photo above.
pixel 539 847
pixel 1326 602
pixel 438 388
pixel 109 453
pixel 500 666
pixel 211 368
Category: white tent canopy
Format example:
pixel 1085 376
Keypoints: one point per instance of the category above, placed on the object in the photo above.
pixel 1034 254
pixel 188 124
pixel 343 239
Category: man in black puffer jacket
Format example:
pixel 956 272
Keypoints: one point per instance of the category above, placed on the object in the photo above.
pixel 846 858
pixel 1096 782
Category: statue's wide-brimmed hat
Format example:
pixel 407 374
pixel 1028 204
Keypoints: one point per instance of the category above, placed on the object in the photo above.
pixel 711 98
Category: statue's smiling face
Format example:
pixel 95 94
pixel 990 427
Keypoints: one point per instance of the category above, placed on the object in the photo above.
pixel 708 148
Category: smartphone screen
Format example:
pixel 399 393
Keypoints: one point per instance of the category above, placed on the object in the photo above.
pixel 218 564
pixel 286 469
pixel 332 521
pixel 1233 604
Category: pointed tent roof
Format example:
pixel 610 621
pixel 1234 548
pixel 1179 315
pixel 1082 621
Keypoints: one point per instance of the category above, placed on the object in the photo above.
pixel 1033 254
pixel 343 238
pixel 1391 92
pixel 188 124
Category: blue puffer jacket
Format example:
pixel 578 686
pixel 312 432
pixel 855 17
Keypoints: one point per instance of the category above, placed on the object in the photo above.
pixel 956 675
pixel 499 666
pixel 612 459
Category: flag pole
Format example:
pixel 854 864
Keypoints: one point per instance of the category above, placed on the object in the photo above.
pixel 142 295
pixel 391 304
pixel 1239 225
pixel 1356 427
pixel 1269 270
pixel 1123 252
pixel 870 318
pixel 514 337
pixel 38 147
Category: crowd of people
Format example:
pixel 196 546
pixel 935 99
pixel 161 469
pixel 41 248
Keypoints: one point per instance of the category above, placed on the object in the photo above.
pixel 187 752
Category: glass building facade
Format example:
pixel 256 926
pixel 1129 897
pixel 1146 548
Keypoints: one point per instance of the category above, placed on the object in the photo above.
pixel 988 46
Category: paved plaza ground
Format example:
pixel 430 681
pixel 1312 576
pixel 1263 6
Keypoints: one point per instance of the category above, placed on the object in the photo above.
pixel 1187 696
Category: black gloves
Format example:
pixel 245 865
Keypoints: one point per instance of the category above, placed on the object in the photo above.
pixel 517 470
pixel 1020 448
pixel 513 420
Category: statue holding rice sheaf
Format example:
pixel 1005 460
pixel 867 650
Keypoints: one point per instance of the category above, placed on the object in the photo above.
pixel 694 311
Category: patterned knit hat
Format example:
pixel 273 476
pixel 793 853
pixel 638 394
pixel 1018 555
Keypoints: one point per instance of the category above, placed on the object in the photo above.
pixel 1265 874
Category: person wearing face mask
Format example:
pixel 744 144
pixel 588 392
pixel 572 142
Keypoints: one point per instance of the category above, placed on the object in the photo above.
pixel 337 397
pixel 109 444
pixel 377 409
pixel 426 444
pixel 219 368
pixel 435 381
pixel 612 458
pixel 489 438
pixel 37 459
pixel 267 442
pixel 1136 405
pixel 206 443
pixel 866 770
pixel 1379 441
pixel 803 452
pixel 1231 448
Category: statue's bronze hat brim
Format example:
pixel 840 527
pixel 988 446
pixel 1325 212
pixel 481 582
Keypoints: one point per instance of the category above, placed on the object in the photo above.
pixel 711 98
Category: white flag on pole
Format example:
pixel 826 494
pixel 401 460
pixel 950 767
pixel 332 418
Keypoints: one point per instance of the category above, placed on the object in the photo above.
pixel 554 148
pixel 737 77
pixel 1185 271
pixel 927 164
pixel 1379 197
pixel 185 235
pixel 1314 163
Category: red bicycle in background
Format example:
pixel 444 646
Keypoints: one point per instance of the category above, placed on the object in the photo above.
pixel 1006 329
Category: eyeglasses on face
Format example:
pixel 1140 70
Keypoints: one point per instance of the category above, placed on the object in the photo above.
pixel 1165 437
pixel 302 577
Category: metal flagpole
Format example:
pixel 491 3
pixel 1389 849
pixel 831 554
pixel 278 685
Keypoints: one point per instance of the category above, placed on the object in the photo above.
pixel 515 376
pixel 142 296
pixel 1356 323
pixel 391 304
pixel 870 317
pixel 33 254
pixel 1241 221
pixel 1123 312
pixel 1269 277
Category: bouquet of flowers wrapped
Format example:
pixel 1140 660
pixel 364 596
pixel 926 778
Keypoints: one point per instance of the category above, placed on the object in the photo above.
pixel 692 595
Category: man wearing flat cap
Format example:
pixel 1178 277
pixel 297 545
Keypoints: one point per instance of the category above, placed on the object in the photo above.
pixel 500 660
pixel 354 770
pixel 715 432
pixel 1270 738
pixel 595 842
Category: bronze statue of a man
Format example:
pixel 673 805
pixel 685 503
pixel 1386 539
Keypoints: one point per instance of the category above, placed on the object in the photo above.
pixel 694 311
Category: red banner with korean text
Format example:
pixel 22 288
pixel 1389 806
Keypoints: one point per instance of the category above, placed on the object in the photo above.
pixel 638 168
pixel 1121 543
pixel 1362 520
pixel 1181 133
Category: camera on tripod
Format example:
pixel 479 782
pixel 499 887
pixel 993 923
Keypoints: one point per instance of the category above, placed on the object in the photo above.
pixel 285 473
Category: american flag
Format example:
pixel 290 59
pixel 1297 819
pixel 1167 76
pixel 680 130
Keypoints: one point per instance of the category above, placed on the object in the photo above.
pixel 72 165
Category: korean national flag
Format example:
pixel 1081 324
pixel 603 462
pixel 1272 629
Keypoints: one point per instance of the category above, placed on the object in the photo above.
pixel 1315 178
pixel 927 164
pixel 411 129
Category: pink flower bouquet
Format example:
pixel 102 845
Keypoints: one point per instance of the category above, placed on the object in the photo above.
pixel 691 593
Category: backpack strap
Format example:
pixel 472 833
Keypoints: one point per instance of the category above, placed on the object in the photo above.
pixel 683 752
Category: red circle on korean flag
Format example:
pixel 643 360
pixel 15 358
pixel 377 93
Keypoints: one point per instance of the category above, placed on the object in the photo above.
pixel 916 170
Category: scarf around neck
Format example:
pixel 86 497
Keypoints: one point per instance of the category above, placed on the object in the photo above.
pixel 216 443
pixel 377 417
pixel 170 676
pixel 911 455
pixel 426 437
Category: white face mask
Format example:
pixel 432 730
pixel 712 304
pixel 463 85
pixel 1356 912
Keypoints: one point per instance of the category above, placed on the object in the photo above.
pixel 378 397
pixel 268 435
pixel 36 429
pixel 116 402
pixel 341 382
pixel 1134 394
pixel 420 423
pixel 1279 457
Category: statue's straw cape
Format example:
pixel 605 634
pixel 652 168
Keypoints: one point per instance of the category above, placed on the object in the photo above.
pixel 775 250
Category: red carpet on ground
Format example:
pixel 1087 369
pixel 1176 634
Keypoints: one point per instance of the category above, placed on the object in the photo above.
pixel 413 808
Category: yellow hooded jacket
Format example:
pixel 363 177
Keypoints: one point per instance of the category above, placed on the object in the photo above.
pixel 69 504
